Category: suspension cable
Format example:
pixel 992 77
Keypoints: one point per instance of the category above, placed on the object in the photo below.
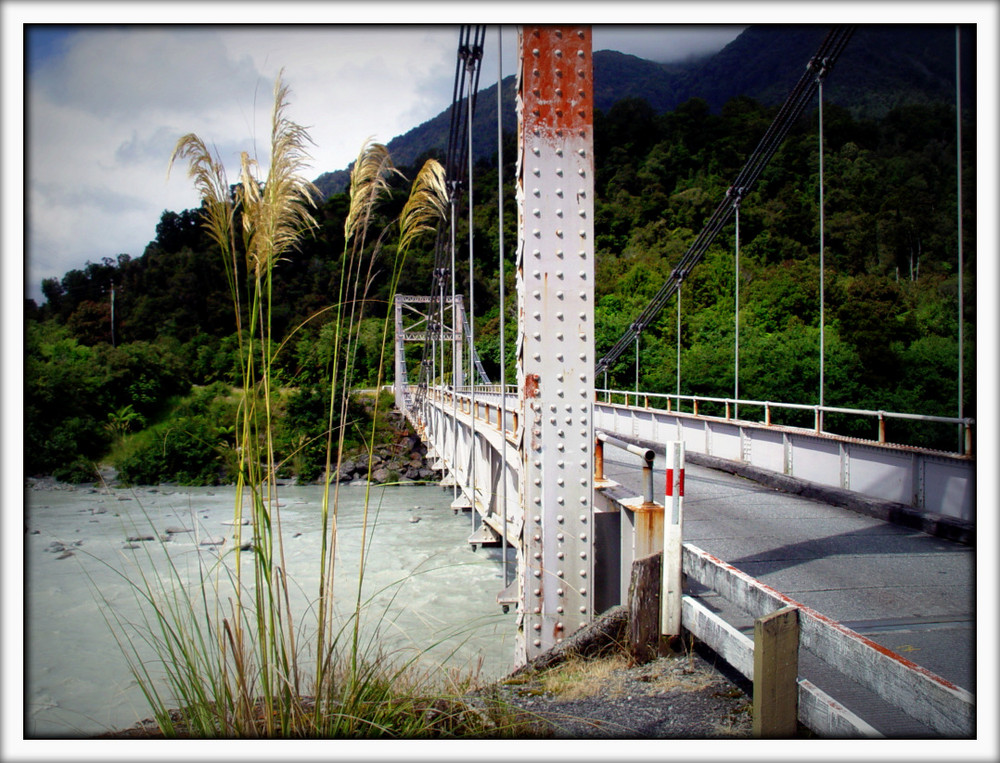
pixel 470 47
pixel 802 93
pixel 503 308
pixel 961 265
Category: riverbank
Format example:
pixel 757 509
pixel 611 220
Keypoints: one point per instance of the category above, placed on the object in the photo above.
pixel 402 461
pixel 682 696
pixel 585 695
pixel 589 688
pixel 426 593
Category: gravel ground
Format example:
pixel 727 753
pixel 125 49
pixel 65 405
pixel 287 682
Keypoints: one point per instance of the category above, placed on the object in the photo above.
pixel 681 696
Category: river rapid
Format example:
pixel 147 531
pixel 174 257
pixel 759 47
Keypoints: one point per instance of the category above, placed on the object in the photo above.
pixel 427 592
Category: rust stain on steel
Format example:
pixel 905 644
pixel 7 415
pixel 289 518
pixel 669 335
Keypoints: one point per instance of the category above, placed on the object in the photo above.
pixel 557 632
pixel 531 391
pixel 648 530
pixel 556 58
pixel 531 386
pixel 839 627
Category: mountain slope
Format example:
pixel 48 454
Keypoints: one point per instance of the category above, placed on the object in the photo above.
pixel 882 67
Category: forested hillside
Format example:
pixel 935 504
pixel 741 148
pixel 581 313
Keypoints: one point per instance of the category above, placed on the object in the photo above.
pixel 883 67
pixel 163 367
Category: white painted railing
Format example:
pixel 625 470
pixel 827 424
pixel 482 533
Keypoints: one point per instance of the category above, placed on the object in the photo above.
pixel 929 481
pixel 733 405
pixel 914 690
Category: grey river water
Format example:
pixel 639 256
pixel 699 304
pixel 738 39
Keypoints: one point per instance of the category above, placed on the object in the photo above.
pixel 433 595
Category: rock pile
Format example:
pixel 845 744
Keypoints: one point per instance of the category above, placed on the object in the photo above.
pixel 402 461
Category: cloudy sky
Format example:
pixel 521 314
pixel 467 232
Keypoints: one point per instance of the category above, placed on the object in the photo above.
pixel 106 104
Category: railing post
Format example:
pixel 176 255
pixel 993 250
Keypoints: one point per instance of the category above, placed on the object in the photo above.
pixel 881 426
pixel 968 438
pixel 767 414
pixel 775 674
pixel 598 459
pixel 673 515
pixel 727 410
pixel 695 403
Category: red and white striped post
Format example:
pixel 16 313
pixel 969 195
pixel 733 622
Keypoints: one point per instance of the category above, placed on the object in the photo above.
pixel 673 514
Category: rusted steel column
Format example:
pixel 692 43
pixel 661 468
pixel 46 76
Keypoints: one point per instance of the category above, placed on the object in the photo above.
pixel 555 266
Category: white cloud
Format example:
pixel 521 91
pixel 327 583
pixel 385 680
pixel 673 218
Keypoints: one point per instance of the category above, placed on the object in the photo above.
pixel 663 43
pixel 108 103
pixel 128 72
pixel 104 118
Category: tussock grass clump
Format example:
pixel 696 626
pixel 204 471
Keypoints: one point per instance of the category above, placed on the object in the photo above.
pixel 239 660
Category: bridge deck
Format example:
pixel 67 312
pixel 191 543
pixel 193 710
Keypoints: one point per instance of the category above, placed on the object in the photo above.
pixel 908 591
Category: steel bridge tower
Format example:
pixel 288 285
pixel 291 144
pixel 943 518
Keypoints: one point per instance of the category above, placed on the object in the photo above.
pixel 555 354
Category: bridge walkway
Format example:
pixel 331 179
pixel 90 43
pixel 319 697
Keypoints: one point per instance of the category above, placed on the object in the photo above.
pixel 908 591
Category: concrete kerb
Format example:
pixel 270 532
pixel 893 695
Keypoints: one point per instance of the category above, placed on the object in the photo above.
pixel 949 528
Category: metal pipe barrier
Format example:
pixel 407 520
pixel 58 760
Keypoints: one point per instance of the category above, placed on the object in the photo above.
pixel 646 454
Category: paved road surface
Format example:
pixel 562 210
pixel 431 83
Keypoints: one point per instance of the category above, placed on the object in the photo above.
pixel 903 589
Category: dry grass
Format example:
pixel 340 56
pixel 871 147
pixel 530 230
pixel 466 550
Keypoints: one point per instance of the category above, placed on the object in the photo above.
pixel 614 676
pixel 681 675
pixel 579 678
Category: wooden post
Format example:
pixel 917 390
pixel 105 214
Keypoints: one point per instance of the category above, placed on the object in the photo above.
pixel 775 674
pixel 644 608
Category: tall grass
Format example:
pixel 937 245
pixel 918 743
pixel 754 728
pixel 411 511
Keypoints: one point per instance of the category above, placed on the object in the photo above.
pixel 236 662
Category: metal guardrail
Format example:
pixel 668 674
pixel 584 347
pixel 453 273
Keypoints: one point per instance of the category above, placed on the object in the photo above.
pixel 646 454
pixel 732 405
pixel 914 690
pixel 672 403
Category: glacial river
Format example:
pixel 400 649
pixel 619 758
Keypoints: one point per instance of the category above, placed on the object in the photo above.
pixel 427 591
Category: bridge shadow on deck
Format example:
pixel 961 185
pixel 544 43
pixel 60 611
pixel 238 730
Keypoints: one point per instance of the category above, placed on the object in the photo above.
pixel 768 530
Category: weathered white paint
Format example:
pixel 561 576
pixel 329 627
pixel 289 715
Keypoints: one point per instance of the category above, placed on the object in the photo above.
pixel 929 481
pixel 916 691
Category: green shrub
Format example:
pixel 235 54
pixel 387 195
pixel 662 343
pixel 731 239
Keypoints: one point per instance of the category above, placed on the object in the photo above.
pixel 185 451
pixel 80 470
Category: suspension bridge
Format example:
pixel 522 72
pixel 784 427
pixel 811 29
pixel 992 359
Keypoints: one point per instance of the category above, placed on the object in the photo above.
pixel 564 475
